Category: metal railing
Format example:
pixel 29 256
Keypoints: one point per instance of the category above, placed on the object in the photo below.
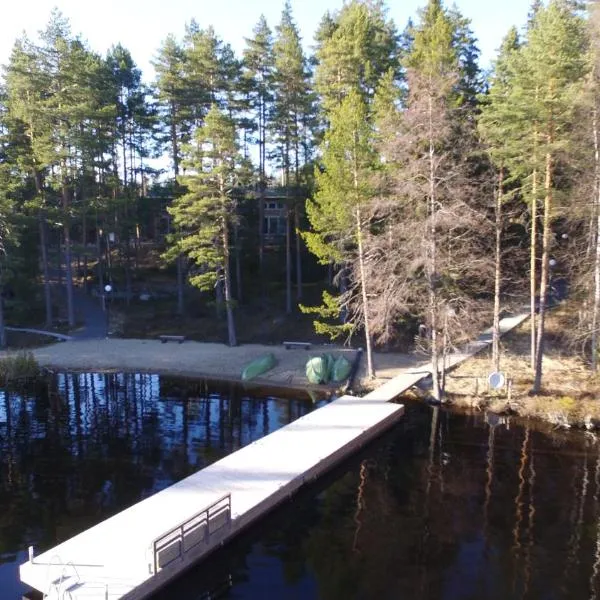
pixel 69 580
pixel 178 541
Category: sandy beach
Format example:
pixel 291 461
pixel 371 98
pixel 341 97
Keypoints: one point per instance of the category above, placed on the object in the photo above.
pixel 195 359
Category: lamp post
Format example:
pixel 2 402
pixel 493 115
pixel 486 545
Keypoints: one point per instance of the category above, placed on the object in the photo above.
pixel 107 291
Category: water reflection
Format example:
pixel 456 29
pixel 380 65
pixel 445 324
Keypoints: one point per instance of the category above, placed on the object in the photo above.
pixel 445 506
pixel 88 445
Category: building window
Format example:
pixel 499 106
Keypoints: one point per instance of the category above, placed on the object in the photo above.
pixel 274 225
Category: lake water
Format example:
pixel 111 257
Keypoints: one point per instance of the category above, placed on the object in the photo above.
pixel 444 506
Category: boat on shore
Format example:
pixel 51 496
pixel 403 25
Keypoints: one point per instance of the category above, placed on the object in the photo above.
pixel 258 366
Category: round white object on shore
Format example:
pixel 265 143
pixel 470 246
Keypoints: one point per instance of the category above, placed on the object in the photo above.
pixel 496 380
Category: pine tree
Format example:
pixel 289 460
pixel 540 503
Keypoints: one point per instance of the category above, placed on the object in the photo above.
pixel 175 102
pixel 292 112
pixel 593 211
pixel 9 233
pixel 173 96
pixel 355 48
pixel 258 70
pixel 551 68
pixel 497 126
pixel 206 213
pixel 338 213
pixel 26 85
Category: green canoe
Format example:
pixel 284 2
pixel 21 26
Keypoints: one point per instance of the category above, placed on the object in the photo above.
pixel 341 369
pixel 317 369
pixel 258 366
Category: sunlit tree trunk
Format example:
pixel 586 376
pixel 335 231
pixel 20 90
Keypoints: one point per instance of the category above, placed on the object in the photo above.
pixel 596 230
pixel 537 383
pixel 497 274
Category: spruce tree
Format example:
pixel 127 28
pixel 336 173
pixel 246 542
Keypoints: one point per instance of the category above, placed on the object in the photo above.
pixel 425 254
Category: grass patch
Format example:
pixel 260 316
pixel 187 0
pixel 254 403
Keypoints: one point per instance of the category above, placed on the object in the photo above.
pixel 19 367
pixel 570 390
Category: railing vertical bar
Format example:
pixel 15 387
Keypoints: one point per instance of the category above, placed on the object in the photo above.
pixel 223 503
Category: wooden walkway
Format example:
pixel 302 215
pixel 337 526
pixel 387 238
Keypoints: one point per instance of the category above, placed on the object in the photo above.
pixel 412 375
pixel 133 553
pixel 137 551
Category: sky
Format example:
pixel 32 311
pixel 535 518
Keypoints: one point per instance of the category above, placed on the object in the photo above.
pixel 141 25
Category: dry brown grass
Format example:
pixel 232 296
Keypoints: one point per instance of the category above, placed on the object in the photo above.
pixel 570 391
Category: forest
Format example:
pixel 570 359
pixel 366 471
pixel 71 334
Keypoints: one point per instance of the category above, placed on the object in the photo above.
pixel 422 196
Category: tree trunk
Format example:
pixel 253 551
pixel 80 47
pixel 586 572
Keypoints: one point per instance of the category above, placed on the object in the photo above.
pixel 219 299
pixel 137 247
pixel 261 229
pixel 128 286
pixel 59 261
pixel 533 252
pixel 99 259
pixel 497 274
pixel 238 262
pixel 595 226
pixel 85 256
pixel 288 263
pixel 2 323
pixel 298 254
pixel 432 263
pixel 180 302
pixel 45 269
pixel 537 382
pixel 363 289
pixel 227 286
pixel 262 157
pixel 69 274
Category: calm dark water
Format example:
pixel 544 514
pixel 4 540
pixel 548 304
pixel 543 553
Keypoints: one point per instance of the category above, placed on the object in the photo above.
pixel 89 445
pixel 443 506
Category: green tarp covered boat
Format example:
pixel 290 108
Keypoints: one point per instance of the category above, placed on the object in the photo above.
pixel 325 368
pixel 341 369
pixel 317 369
pixel 258 366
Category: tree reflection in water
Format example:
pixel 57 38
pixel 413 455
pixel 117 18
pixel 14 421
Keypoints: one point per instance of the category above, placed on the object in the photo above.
pixel 443 506
pixel 447 506
pixel 88 445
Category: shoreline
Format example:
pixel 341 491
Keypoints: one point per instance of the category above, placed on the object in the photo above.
pixel 208 360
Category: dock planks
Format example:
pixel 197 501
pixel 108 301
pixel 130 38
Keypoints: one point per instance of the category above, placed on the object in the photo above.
pixel 112 560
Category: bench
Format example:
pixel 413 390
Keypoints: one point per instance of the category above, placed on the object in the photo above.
pixel 171 338
pixel 288 345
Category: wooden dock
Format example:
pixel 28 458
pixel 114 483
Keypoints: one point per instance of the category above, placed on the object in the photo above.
pixel 135 552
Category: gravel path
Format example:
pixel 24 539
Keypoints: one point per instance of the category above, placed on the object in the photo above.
pixel 214 361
